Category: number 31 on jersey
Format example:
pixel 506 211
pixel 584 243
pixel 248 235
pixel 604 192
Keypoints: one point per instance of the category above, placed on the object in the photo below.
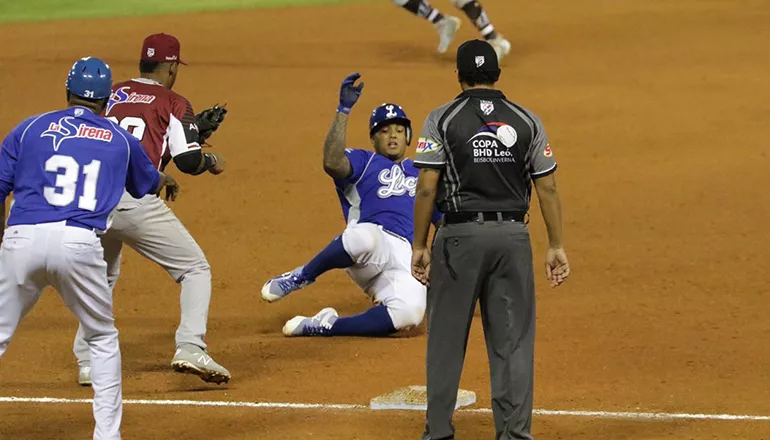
pixel 63 192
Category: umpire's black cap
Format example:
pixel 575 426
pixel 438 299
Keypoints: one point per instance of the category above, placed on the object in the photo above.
pixel 475 55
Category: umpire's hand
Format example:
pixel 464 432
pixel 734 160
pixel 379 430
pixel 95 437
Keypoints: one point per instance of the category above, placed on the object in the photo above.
pixel 421 265
pixel 556 266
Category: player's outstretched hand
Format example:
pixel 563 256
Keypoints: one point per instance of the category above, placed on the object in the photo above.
pixel 219 165
pixel 349 93
pixel 556 266
pixel 172 188
pixel 421 265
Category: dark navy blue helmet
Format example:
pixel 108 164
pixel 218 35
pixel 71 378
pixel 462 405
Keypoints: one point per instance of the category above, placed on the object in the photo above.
pixel 90 78
pixel 389 113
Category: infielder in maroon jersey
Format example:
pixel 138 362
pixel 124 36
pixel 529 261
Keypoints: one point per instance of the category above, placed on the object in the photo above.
pixel 167 127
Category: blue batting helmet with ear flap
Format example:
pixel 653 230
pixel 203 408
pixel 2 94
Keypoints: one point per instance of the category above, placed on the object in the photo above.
pixel 389 113
pixel 90 78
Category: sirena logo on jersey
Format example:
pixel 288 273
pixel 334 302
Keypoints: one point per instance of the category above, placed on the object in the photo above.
pixel 396 183
pixel 66 129
pixel 493 143
pixel 121 96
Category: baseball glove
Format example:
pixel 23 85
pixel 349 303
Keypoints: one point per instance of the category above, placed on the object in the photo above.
pixel 208 121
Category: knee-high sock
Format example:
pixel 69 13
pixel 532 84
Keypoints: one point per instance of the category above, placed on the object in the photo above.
pixel 333 256
pixel 423 9
pixel 475 12
pixel 373 322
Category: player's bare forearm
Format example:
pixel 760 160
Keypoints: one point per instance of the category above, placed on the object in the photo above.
pixel 424 204
pixel 550 207
pixel 336 164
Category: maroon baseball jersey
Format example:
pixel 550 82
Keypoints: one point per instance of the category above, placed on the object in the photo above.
pixel 162 120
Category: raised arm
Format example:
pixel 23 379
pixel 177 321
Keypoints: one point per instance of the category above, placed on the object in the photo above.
pixel 336 164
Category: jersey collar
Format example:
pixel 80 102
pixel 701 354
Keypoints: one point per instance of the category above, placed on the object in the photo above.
pixel 84 108
pixel 146 81
pixel 481 93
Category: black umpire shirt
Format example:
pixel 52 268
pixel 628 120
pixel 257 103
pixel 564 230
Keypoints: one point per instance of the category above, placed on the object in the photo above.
pixel 488 150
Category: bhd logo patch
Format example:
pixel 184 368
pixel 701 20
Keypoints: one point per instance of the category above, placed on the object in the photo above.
pixel 150 51
pixel 493 143
pixel 480 60
pixel 426 145
pixel 66 129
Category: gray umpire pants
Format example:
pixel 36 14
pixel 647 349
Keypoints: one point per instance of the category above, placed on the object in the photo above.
pixel 491 263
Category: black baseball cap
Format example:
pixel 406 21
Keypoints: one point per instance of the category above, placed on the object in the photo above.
pixel 475 55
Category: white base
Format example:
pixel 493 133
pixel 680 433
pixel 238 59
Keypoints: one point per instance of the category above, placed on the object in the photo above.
pixel 414 397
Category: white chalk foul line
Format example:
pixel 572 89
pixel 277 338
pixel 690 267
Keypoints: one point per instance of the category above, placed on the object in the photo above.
pixel 327 406
pixel 275 405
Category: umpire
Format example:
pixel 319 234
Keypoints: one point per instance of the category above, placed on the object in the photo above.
pixel 478 156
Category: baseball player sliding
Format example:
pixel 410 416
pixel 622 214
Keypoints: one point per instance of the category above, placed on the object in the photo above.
pixel 376 191
pixel 67 170
pixel 168 129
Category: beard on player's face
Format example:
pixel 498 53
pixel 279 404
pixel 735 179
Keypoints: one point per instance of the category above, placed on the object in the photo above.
pixel 390 141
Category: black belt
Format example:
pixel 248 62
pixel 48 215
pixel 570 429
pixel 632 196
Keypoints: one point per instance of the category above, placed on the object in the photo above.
pixel 481 217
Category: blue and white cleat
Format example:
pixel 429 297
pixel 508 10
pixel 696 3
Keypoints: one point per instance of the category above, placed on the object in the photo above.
pixel 283 285
pixel 318 325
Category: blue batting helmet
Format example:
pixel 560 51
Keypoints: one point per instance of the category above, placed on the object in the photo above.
pixel 389 113
pixel 90 78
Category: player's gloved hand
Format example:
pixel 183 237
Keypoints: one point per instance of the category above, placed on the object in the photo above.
pixel 208 121
pixel 349 93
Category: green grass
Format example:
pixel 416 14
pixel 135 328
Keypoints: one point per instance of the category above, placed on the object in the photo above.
pixel 39 10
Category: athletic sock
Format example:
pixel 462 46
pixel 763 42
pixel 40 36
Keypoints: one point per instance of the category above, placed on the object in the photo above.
pixel 423 9
pixel 373 322
pixel 478 16
pixel 333 256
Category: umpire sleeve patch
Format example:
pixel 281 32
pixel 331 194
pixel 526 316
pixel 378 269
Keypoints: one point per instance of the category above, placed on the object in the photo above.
pixel 427 145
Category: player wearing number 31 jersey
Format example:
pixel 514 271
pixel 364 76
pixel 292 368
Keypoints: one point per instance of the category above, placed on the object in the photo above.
pixel 168 129
pixel 67 170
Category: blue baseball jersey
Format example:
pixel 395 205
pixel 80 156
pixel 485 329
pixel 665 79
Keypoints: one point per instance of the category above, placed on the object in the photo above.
pixel 379 191
pixel 71 165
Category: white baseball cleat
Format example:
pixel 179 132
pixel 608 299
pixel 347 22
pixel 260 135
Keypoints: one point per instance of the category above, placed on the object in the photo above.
pixel 192 359
pixel 84 375
pixel 282 285
pixel 318 325
pixel 447 28
pixel 501 46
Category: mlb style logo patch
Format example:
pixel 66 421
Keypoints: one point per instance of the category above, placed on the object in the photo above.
pixel 487 107
pixel 150 51
pixel 547 151
pixel 426 145
pixel 480 60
